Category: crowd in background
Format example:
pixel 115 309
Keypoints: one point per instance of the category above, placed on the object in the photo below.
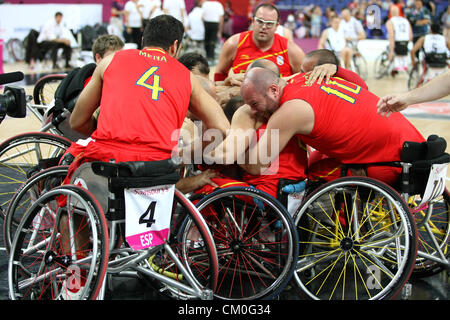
pixel 210 22
pixel 310 20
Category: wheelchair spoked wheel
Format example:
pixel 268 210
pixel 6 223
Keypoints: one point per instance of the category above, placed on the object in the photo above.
pixel 416 77
pixel 193 245
pixel 45 88
pixel 16 48
pixel 256 242
pixel 381 65
pixel 360 65
pixel 20 157
pixel 357 241
pixel 433 229
pixel 28 193
pixel 59 252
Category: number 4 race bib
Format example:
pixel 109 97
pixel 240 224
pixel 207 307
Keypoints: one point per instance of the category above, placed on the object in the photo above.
pixel 147 215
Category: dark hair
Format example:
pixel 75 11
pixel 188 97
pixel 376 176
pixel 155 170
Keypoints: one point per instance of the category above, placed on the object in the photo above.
pixel 232 105
pixel 192 59
pixel 323 56
pixel 105 43
pixel 162 31
pixel 58 14
pixel 267 5
pixel 435 28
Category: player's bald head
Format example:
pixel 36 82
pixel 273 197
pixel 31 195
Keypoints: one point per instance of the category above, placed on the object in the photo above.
pixel 266 64
pixel 259 79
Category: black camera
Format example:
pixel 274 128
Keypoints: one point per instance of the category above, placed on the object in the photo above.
pixel 13 100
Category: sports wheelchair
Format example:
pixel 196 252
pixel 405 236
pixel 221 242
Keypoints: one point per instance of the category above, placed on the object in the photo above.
pixel 246 249
pixel 66 244
pixel 22 155
pixel 360 239
pixel 429 66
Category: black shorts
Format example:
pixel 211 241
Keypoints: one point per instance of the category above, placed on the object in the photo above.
pixel 401 48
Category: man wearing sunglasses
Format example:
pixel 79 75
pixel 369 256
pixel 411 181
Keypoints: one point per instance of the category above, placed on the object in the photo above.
pixel 243 48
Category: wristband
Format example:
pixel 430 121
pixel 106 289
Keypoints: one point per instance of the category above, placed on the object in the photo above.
pixel 219 76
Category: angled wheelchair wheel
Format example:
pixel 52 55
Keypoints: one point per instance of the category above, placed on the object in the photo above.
pixel 16 48
pixel 256 242
pixel 45 88
pixel 416 77
pixel 191 242
pixel 433 229
pixel 28 193
pixel 23 155
pixel 357 241
pixel 381 65
pixel 60 248
pixel 360 65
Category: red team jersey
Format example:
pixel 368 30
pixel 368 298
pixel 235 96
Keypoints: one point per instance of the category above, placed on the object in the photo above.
pixel 141 109
pixel 362 136
pixel 290 164
pixel 247 52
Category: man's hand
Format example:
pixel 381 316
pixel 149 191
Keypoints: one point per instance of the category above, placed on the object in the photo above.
pixel 234 79
pixel 389 104
pixel 205 177
pixel 320 72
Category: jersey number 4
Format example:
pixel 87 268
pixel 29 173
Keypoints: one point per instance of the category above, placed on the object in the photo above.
pixel 154 87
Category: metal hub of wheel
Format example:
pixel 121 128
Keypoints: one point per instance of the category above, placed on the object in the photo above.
pixel 52 257
pixel 236 246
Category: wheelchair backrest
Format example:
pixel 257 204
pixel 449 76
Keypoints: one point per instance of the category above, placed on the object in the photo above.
pixel 71 86
pixel 422 156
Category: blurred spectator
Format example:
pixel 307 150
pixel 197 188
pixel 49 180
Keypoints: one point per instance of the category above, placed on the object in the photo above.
pixel 290 23
pixel 285 32
pixel 145 6
pixel 195 27
pixel 54 36
pixel 133 22
pixel 116 19
pixel 352 28
pixel 302 30
pixel 316 22
pixel 373 23
pixel 213 19
pixel 227 21
pixel 251 7
pixel 329 13
pixel 429 4
pixel 399 4
pixel 420 18
pixel 446 23
pixel 175 8
pixel 333 39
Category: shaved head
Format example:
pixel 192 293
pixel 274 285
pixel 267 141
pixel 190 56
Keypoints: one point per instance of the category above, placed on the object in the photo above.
pixel 261 91
pixel 266 64
pixel 260 78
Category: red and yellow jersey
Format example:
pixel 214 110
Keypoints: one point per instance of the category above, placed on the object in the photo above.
pixel 291 164
pixel 347 126
pixel 247 52
pixel 142 108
